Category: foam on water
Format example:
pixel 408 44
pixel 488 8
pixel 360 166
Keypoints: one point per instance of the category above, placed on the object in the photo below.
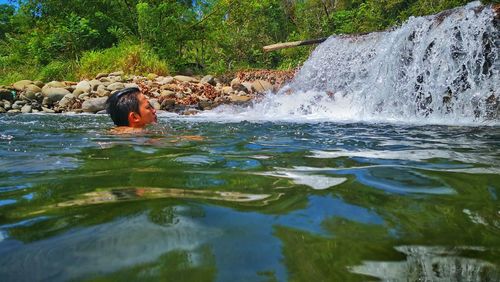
pixel 441 69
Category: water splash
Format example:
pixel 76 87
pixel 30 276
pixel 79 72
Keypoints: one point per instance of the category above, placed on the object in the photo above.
pixel 441 69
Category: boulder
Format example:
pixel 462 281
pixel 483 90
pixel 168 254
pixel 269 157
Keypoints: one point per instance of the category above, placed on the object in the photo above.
pixel 167 93
pixel 26 109
pixel 227 89
pixel 115 86
pixel 184 78
pixel 6 94
pixel 168 104
pixel 165 80
pixel 83 86
pixel 101 75
pixel 94 105
pixel 116 73
pixel 155 104
pixel 20 85
pixel 237 86
pixel 66 100
pixel 239 99
pixel 54 94
pixel 127 85
pixel 248 86
pixel 38 83
pixel 94 83
pixel 54 84
pixel 31 90
pixel 261 86
pixel 208 79
pixel 2 110
pixel 47 110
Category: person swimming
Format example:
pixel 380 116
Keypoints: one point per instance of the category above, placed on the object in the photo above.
pixel 130 110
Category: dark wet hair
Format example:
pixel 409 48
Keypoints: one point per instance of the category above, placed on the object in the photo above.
pixel 121 103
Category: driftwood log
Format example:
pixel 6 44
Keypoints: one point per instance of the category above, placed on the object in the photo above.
pixel 278 46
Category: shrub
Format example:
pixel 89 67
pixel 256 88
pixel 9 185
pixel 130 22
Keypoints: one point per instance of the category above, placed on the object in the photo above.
pixel 132 58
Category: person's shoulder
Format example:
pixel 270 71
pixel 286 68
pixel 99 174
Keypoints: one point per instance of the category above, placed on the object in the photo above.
pixel 126 130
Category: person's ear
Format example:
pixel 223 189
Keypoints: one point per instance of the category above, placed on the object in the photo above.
pixel 133 117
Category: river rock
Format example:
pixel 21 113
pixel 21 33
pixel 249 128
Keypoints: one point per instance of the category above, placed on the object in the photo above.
pixel 47 110
pixel 14 111
pixel 168 104
pixel 102 91
pixel 66 100
pixel 54 94
pixel 116 73
pixel 38 83
pixel 115 86
pixel 261 86
pixel 167 93
pixel 94 83
pixel 54 84
pixel 239 99
pixel 184 78
pixel 82 87
pixel 237 86
pixel 7 104
pixel 94 105
pixel 2 110
pixel 20 85
pixel 127 85
pixel 248 86
pixel 6 94
pixel 227 89
pixel 155 104
pixel 208 79
pixel 165 80
pixel 101 75
pixel 26 109
pixel 31 90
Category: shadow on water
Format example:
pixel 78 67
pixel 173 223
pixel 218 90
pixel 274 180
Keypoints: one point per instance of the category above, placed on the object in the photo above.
pixel 309 202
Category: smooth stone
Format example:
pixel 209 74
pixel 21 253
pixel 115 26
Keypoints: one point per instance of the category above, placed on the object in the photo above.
pixel 167 93
pixel 66 100
pixel 47 110
pixel 165 80
pixel 239 99
pixel 2 110
pixel 208 79
pixel 101 75
pixel 155 104
pixel 260 86
pixel 116 73
pixel 6 94
pixel 115 86
pixel 54 84
pixel 26 109
pixel 94 105
pixel 54 94
pixel 184 78
pixel 128 85
pixel 14 111
pixel 21 84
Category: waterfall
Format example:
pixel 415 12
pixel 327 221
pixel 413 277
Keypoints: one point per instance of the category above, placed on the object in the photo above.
pixel 440 69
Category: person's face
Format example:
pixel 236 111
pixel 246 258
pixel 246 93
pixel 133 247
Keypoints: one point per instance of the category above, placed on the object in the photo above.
pixel 146 111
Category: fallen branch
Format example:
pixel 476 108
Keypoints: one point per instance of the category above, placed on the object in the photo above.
pixel 278 46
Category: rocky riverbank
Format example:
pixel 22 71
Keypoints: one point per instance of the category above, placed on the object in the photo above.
pixel 180 94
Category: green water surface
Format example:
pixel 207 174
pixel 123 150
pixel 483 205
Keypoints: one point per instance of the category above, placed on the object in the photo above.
pixel 241 201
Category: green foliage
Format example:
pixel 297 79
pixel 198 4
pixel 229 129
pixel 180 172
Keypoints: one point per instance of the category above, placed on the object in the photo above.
pixel 57 70
pixel 132 58
pixel 213 36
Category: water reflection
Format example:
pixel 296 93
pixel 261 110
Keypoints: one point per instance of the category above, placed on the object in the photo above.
pixel 424 263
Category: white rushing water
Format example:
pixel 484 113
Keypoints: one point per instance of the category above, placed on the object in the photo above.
pixel 441 69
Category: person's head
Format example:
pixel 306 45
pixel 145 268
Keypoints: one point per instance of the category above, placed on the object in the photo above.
pixel 129 107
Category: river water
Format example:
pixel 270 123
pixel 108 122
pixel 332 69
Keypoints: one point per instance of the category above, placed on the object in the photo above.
pixel 248 201
pixel 381 160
